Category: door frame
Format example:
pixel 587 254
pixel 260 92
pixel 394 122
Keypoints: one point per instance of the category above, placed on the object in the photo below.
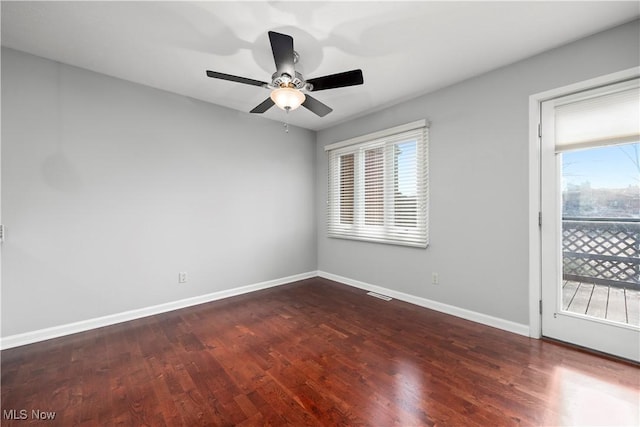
pixel 535 188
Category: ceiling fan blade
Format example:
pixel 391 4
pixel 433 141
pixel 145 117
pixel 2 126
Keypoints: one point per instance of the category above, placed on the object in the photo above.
pixel 282 47
pixel 264 106
pixel 245 80
pixel 333 81
pixel 315 106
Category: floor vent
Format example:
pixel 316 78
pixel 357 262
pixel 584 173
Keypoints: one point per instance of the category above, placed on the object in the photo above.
pixel 384 297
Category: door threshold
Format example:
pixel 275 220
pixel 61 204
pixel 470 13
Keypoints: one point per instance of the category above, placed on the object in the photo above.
pixel 588 350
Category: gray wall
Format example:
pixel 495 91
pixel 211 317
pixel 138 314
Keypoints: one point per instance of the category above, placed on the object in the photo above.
pixel 479 181
pixel 109 189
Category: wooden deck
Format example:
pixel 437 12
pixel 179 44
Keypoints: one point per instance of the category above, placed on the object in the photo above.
pixel 602 301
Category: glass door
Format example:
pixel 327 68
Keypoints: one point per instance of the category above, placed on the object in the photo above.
pixel 591 219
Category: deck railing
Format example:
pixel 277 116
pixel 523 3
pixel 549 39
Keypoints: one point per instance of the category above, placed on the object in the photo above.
pixel 602 251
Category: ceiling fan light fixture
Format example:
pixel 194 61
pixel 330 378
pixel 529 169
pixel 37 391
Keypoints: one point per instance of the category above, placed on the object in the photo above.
pixel 287 98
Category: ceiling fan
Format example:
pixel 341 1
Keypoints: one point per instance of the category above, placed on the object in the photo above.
pixel 289 88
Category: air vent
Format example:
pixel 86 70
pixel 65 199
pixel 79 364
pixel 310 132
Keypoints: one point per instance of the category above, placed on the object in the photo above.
pixel 384 297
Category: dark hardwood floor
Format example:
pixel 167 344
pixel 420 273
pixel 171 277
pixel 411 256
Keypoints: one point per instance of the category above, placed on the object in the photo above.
pixel 312 353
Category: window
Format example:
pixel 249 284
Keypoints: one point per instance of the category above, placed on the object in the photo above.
pixel 378 186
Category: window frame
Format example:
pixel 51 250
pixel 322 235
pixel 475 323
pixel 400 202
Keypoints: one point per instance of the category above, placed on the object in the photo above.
pixel 388 232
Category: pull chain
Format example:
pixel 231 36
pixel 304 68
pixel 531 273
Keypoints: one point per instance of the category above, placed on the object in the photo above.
pixel 286 120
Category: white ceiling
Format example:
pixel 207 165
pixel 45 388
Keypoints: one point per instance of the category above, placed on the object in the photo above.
pixel 403 49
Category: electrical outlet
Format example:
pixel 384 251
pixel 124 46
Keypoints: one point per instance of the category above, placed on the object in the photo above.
pixel 182 277
pixel 435 279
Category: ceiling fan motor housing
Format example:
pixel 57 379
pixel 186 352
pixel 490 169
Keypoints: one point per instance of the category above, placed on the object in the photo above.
pixel 285 80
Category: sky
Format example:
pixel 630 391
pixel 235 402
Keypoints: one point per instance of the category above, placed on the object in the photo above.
pixel 407 181
pixel 604 167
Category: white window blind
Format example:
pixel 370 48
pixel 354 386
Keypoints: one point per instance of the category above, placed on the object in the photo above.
pixel 378 187
pixel 599 117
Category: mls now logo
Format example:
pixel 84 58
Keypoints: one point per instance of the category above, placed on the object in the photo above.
pixel 23 414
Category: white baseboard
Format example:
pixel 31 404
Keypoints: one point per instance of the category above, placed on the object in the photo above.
pixel 507 325
pixel 98 322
